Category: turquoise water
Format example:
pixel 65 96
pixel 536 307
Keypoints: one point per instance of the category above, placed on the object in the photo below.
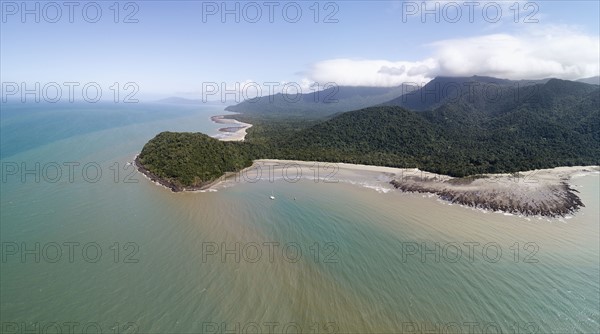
pixel 321 258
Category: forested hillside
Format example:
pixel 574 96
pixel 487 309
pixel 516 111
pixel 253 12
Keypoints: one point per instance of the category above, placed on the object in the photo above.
pixel 543 125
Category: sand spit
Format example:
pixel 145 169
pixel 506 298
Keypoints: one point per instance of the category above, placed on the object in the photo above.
pixel 231 133
pixel 544 192
pixel 534 193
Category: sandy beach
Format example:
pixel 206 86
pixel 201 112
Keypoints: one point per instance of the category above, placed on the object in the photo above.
pixel 544 192
pixel 237 132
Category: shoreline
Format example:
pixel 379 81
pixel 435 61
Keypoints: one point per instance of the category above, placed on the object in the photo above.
pixel 548 194
pixel 230 133
pixel 172 186
pixel 543 192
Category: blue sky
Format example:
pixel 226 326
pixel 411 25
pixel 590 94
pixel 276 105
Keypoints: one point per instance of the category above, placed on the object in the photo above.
pixel 175 46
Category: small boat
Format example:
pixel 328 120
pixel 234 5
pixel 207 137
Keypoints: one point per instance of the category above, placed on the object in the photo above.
pixel 272 197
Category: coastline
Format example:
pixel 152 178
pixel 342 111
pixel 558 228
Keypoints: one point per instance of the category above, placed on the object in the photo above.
pixel 237 132
pixel 543 192
pixel 172 186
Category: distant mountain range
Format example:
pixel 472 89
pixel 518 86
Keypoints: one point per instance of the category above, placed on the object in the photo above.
pixel 542 125
pixel 475 91
pixel 179 100
pixel 317 104
pixel 182 100
pixel 591 80
pixel 334 100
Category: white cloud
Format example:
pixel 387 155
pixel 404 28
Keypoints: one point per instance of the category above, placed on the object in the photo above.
pixel 349 72
pixel 560 52
pixel 535 55
pixel 393 70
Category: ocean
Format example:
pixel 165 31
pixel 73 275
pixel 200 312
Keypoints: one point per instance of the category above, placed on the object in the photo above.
pixel 91 245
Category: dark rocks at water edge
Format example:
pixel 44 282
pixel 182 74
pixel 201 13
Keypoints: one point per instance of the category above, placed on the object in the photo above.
pixel 171 185
pixel 541 199
pixel 230 129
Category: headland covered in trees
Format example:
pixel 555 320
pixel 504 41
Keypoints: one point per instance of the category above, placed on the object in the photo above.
pixel 465 135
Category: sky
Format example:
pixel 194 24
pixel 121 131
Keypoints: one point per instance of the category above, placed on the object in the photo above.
pixel 194 49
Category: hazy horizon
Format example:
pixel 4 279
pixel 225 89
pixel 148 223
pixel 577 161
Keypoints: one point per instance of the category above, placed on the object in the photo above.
pixel 172 48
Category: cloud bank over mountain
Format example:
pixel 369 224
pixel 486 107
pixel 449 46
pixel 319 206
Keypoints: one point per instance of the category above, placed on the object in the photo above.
pixel 553 51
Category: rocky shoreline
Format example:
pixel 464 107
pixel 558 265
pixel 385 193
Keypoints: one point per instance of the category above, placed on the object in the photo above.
pixel 545 193
pixel 230 129
pixel 168 184
pixel 536 197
